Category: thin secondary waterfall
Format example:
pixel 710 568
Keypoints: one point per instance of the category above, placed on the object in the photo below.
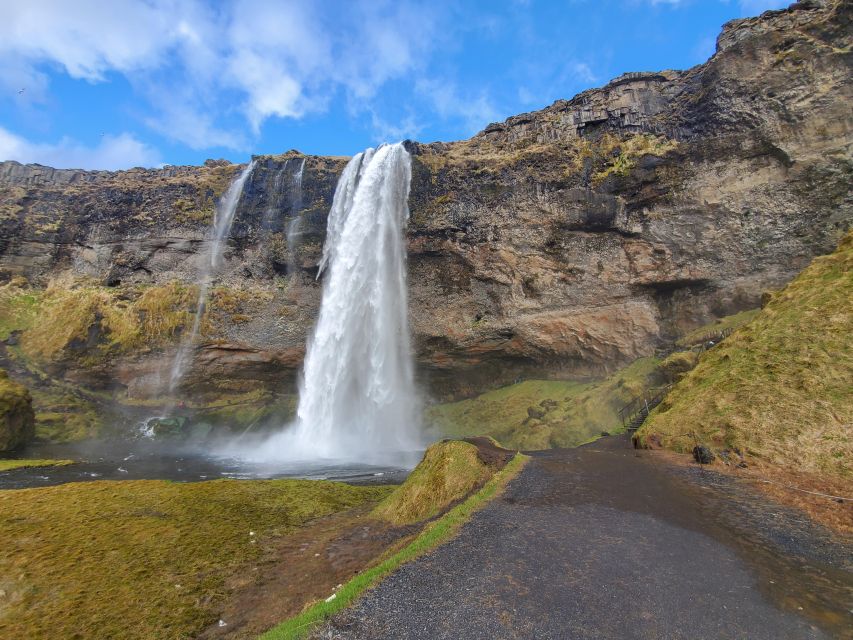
pixel 294 228
pixel 223 218
pixel 357 397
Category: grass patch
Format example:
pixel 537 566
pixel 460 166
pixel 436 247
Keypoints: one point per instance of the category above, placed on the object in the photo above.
pixel 436 533
pixel 448 472
pixel 8 465
pixel 623 153
pixel 18 308
pixel 64 416
pixel 143 559
pixel 539 414
pixel 777 389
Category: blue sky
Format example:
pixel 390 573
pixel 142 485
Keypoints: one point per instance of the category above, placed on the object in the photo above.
pixel 109 85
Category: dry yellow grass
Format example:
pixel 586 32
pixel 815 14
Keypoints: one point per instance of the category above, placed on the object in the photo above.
pixel 76 315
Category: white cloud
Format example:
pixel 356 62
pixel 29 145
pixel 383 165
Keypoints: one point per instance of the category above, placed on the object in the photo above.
pixel 475 110
pixel 113 152
pixel 281 59
pixel 386 131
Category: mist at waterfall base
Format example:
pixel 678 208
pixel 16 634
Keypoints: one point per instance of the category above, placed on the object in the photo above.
pixel 357 399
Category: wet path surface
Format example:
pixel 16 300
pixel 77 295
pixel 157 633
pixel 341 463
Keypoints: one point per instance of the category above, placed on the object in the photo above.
pixel 600 542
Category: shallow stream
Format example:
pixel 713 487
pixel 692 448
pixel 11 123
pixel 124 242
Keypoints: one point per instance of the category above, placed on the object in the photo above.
pixel 144 460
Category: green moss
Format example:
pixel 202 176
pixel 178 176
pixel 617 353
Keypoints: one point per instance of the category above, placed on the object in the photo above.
pixel 677 364
pixel 435 534
pixel 18 308
pixel 448 472
pixel 65 416
pixel 538 414
pixel 8 465
pixel 143 559
pixel 779 387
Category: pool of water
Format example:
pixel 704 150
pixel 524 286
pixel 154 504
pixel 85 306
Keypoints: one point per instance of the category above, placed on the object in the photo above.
pixel 157 461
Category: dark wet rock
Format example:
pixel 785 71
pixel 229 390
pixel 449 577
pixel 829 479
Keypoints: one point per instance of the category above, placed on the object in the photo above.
pixel 17 420
pixel 536 413
pixel 703 455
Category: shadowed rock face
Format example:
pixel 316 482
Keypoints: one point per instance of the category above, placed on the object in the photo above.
pixel 567 241
pixel 16 414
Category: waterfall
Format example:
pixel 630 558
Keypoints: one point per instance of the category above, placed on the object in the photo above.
pixel 357 398
pixel 223 218
pixel 293 230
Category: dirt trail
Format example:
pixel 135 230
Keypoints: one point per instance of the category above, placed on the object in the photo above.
pixel 601 542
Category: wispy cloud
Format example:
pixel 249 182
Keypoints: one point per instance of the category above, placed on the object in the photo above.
pixel 474 109
pixel 112 152
pixel 193 61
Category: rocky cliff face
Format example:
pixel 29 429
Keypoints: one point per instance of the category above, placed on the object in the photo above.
pixel 566 242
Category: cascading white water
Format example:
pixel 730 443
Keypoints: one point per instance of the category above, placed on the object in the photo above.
pixel 293 230
pixel 357 399
pixel 223 218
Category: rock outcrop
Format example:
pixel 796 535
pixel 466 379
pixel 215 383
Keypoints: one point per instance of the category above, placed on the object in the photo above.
pixel 17 421
pixel 565 242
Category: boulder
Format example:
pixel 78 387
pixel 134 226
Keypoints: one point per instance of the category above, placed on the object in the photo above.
pixel 703 455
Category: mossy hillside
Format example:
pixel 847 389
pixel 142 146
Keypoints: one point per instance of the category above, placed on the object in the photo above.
pixel 777 389
pixel 63 415
pixel 728 323
pixel 18 307
pixel 449 471
pixel 143 559
pixel 539 414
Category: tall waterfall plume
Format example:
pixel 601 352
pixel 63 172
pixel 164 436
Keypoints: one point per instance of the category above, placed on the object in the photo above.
pixel 223 218
pixel 357 398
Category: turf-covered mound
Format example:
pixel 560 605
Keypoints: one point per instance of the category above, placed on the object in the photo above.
pixel 778 389
pixel 449 471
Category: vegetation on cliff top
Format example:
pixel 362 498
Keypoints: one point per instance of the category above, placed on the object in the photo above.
pixel 778 389
pixel 143 559
pixel 448 472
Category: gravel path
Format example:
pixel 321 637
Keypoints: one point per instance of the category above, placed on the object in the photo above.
pixel 599 543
